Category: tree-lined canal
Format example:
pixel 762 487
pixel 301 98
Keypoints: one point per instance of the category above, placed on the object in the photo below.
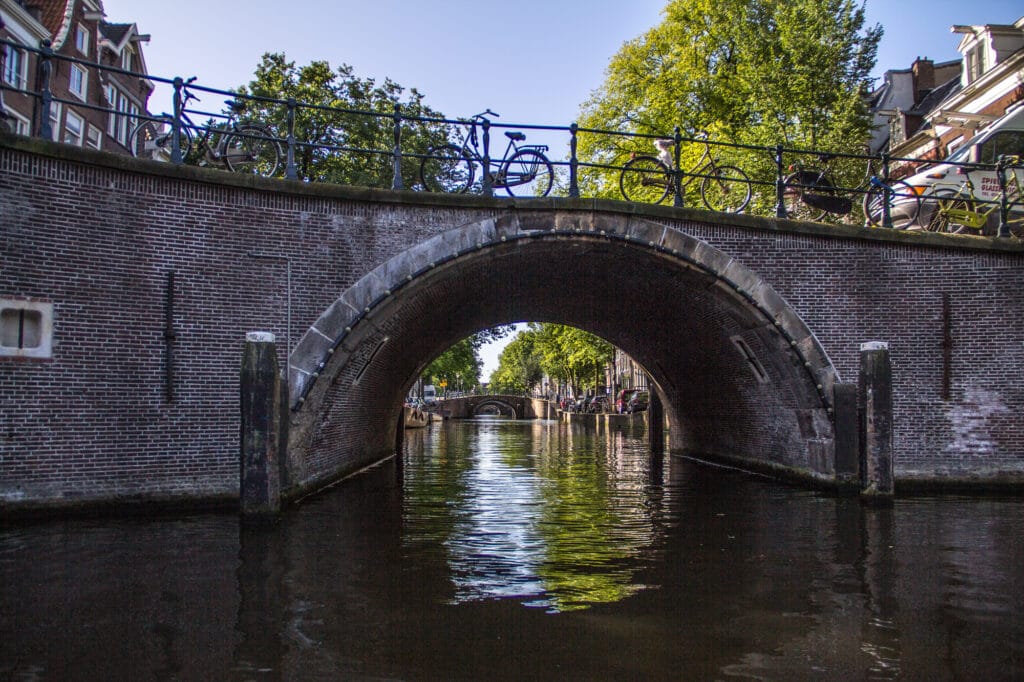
pixel 505 549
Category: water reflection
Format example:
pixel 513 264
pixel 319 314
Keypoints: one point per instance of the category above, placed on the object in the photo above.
pixel 531 510
pixel 688 572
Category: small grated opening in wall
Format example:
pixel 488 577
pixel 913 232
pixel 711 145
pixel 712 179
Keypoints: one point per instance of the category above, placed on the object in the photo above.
pixel 752 361
pixel 26 328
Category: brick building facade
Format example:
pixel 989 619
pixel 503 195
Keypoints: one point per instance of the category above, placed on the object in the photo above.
pixel 92 106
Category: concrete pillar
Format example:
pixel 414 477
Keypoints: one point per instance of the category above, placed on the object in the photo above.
pixel 847 464
pixel 875 399
pixel 655 423
pixel 259 480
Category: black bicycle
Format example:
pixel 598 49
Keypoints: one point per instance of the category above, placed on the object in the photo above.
pixel 649 179
pixel 810 193
pixel 240 147
pixel 522 170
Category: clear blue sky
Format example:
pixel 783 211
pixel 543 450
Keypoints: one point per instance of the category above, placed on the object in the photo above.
pixel 532 61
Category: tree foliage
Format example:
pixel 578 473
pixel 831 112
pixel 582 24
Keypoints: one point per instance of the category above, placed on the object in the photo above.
pixel 461 362
pixel 751 72
pixel 342 143
pixel 569 355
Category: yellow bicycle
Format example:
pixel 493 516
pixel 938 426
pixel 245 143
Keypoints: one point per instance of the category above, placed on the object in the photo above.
pixel 960 209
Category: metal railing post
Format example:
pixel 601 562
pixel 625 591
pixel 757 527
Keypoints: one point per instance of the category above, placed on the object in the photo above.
pixel 290 172
pixel 396 180
pixel 780 183
pixel 488 180
pixel 1004 225
pixel 45 95
pixel 176 122
pixel 574 181
pixel 886 192
pixel 677 185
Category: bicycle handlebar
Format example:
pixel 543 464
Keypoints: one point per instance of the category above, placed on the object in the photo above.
pixel 484 114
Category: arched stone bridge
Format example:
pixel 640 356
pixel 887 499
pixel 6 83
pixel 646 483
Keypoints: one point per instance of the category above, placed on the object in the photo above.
pixel 149 277
pixel 515 406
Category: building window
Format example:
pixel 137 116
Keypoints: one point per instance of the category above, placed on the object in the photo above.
pixel 18 124
pixel 128 59
pixel 82 40
pixel 125 116
pixel 94 137
pixel 26 329
pixel 975 58
pixel 55 121
pixel 79 81
pixel 14 67
pixel 74 126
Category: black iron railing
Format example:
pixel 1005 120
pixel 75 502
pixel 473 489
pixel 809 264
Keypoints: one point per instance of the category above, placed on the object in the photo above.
pixel 780 175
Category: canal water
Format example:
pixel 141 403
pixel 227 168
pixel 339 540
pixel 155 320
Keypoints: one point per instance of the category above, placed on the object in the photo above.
pixel 505 549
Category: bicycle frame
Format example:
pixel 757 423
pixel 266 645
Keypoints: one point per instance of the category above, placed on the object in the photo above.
pixel 698 170
pixel 471 147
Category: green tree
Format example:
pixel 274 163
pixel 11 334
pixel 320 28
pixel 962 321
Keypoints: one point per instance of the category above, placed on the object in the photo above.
pixel 344 147
pixel 518 365
pixel 566 354
pixel 751 72
pixel 461 362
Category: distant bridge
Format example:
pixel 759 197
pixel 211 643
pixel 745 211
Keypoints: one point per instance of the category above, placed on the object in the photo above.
pixel 514 406
pixel 143 279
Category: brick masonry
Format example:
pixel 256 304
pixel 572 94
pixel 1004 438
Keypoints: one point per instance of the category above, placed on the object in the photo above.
pixel 96 236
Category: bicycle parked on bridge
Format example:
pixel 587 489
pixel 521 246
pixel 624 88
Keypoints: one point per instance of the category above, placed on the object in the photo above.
pixel 240 147
pixel 810 193
pixel 649 179
pixel 522 170
pixel 962 209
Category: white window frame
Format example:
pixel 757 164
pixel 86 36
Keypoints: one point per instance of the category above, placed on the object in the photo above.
pixel 124 115
pixel 93 137
pixel 82 82
pixel 55 119
pixel 128 59
pixel 74 128
pixel 82 39
pixel 15 71
pixel 20 124
pixel 12 311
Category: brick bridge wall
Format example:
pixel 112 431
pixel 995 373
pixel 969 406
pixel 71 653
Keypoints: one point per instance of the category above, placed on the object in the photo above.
pixel 97 235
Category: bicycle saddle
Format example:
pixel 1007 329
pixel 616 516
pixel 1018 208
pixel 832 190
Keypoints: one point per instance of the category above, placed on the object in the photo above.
pixel 515 135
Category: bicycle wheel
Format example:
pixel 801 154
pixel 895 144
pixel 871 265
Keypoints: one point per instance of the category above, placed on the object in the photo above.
pixel 945 207
pixel 904 205
pixel 446 169
pixel 528 173
pixel 153 140
pixel 810 181
pixel 645 179
pixel 253 149
pixel 725 189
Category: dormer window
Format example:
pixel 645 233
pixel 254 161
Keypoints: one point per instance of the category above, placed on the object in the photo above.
pixel 82 40
pixel 128 59
pixel 974 62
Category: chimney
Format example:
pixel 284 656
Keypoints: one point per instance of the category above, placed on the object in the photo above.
pixel 924 78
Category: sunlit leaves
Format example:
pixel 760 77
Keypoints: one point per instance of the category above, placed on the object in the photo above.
pixel 751 72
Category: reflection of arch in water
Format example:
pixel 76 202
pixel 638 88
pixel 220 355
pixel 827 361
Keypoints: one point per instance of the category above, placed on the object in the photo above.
pixel 495 407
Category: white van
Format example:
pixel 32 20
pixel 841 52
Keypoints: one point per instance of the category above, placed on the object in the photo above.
pixel 1003 137
pixel 429 394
